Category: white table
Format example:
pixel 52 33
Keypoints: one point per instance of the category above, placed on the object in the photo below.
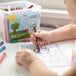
pixel 10 68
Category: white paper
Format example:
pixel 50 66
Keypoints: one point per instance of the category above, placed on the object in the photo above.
pixel 51 55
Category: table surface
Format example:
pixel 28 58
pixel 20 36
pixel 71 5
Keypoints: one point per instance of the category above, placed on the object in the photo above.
pixel 9 68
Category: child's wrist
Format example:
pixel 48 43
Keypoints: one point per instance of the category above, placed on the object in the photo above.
pixel 51 37
pixel 32 63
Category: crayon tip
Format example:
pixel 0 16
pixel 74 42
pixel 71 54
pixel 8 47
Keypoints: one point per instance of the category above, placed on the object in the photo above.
pixel 30 6
pixel 1 43
pixel 38 49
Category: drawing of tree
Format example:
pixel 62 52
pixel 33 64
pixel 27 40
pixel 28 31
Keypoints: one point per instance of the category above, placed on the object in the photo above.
pixel 15 26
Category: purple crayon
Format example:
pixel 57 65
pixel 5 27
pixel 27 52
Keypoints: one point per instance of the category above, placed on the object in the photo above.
pixel 1 43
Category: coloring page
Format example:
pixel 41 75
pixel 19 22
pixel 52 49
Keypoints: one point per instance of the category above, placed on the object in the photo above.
pixel 51 55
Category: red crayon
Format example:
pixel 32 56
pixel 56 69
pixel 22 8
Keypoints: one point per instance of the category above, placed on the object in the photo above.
pixel 2 57
pixel 37 39
pixel 30 6
pixel 26 40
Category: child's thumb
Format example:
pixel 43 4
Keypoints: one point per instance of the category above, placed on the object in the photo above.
pixel 38 34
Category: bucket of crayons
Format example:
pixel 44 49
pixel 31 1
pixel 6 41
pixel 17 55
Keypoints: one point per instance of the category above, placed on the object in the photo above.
pixel 18 20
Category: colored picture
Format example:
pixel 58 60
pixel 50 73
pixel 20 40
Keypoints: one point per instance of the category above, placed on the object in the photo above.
pixel 21 25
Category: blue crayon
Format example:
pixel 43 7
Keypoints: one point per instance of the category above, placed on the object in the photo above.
pixel 2 48
pixel 1 43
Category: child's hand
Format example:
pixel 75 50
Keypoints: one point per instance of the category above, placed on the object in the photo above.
pixel 25 58
pixel 44 37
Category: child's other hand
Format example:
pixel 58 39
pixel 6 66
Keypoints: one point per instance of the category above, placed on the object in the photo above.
pixel 44 37
pixel 25 58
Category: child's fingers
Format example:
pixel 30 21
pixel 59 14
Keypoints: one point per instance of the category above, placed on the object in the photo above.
pixel 44 42
pixel 37 35
pixel 20 64
pixel 18 59
pixel 18 56
pixel 39 31
pixel 32 37
pixel 29 52
pixel 19 52
pixel 40 43
pixel 34 41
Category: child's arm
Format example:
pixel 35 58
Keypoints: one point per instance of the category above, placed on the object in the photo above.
pixel 71 72
pixel 64 33
pixel 37 68
pixel 29 60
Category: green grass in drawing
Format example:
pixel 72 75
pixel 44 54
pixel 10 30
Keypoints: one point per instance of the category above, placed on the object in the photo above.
pixel 19 35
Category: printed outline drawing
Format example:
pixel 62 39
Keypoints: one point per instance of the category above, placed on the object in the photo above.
pixel 47 50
